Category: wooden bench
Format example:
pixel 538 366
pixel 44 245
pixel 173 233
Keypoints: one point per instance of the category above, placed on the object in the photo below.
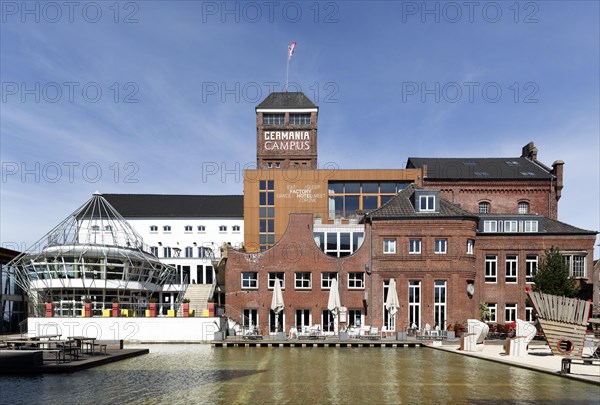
pixel 565 367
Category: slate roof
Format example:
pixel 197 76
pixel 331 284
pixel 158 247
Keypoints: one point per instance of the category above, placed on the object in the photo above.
pixel 553 226
pixel 177 206
pixel 286 100
pixel 401 206
pixel 481 169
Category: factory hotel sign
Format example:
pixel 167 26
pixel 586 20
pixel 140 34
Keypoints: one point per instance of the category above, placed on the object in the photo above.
pixel 287 140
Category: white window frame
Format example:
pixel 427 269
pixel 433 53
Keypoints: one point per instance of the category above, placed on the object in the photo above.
pixel 222 228
pixel 529 313
pixel 493 307
pixel 153 228
pixel 581 270
pixel 326 278
pixel 300 281
pixel 439 305
pixel 530 226
pixel 510 312
pixel 414 306
pixel 490 226
pixel 531 264
pixel 511 273
pixel 470 246
pixel 167 252
pixel 154 250
pixel 523 207
pixel 201 228
pixel 440 246
pixel 491 269
pixel 389 246
pixel 511 226
pixel 484 207
pixel 188 229
pixel 356 280
pixel 189 251
pixel 249 280
pixel 271 279
pixel 414 246
pixel 167 228
pixel 235 228
pixel 426 203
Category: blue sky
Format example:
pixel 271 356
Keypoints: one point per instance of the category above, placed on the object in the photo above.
pixel 154 96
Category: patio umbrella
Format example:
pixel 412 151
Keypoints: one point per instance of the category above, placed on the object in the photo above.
pixel 334 304
pixel 391 303
pixel 277 302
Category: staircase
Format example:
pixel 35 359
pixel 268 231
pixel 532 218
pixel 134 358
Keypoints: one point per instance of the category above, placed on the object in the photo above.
pixel 198 294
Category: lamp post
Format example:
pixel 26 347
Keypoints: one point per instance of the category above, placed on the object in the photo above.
pixel 369 271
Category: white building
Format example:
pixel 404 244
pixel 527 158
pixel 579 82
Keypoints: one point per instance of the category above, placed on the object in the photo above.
pixel 185 231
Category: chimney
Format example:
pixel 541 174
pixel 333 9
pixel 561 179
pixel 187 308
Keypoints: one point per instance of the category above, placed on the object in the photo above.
pixel 529 151
pixel 557 171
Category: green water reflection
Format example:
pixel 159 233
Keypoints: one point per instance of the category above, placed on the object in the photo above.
pixel 201 374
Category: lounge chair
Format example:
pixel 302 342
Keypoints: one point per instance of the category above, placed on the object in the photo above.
pixel 472 341
pixel 517 346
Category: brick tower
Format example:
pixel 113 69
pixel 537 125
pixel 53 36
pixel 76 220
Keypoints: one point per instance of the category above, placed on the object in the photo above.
pixel 286 132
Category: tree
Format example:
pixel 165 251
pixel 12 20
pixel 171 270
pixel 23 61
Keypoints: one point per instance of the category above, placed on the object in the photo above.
pixel 552 275
pixel 484 312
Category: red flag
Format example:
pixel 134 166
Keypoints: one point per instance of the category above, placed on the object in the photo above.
pixel 291 49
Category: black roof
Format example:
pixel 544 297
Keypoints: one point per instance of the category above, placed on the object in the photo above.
pixel 479 169
pixel 287 100
pixel 556 227
pixel 178 206
pixel 401 206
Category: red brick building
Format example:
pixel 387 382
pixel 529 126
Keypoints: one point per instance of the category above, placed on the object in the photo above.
pixel 445 261
pixel 473 233
pixel 510 185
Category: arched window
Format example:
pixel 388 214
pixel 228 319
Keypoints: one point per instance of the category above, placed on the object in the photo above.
pixel 484 207
pixel 523 207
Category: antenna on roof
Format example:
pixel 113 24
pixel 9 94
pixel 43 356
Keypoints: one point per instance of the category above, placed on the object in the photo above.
pixel 291 48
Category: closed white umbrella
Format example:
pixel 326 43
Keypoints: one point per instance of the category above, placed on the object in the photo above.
pixel 334 304
pixel 391 303
pixel 277 302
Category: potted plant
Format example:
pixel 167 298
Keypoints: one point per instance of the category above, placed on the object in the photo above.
pixel 152 304
pixel 458 329
pixel 115 307
pixel 186 307
pixel 451 332
pixel 49 307
pixel 87 307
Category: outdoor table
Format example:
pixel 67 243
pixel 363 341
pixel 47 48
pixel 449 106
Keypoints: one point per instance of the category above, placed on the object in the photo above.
pixel 48 337
pixel 82 341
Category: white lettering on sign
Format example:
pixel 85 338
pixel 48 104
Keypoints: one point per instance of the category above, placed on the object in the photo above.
pixel 287 135
pixel 287 145
pixel 287 140
pixel 304 195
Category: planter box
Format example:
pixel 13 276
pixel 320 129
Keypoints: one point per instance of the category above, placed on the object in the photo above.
pixel 401 336
pixel 343 335
pixel 219 336
pixel 451 334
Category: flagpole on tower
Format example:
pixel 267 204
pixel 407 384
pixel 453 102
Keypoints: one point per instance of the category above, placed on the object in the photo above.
pixel 291 48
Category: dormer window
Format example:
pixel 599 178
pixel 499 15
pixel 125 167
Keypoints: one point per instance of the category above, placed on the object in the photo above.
pixel 427 203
